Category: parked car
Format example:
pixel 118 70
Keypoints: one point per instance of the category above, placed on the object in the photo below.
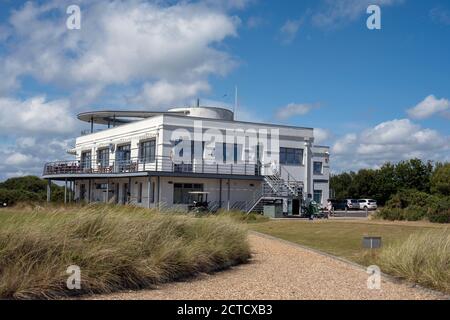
pixel 338 204
pixel 352 204
pixel 369 204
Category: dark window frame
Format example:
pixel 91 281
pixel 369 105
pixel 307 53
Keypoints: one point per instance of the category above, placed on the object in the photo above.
pixel 291 156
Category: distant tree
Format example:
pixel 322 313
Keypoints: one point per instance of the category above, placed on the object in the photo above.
pixel 340 184
pixel 414 174
pixel 28 188
pixel 440 179
pixel 385 183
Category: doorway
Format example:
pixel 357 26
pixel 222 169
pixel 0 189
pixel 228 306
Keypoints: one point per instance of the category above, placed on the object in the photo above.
pixel 295 207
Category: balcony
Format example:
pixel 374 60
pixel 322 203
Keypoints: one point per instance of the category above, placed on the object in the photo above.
pixel 159 164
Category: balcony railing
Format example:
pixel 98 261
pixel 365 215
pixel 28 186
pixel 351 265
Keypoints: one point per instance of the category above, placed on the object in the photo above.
pixel 159 164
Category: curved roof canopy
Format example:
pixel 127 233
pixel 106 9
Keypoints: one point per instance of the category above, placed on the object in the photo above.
pixel 120 117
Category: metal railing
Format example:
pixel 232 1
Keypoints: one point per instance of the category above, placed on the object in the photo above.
pixel 157 164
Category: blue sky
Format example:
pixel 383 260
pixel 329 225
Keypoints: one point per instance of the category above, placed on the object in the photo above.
pixel 373 95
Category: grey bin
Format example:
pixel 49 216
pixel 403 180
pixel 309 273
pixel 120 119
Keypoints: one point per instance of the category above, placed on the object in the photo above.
pixel 273 210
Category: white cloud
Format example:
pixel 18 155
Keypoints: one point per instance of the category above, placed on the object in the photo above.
pixel 294 109
pixel 119 43
pixel 393 140
pixel 164 94
pixel 428 107
pixel 289 30
pixel 35 115
pixel 17 158
pixel 338 12
pixel 321 135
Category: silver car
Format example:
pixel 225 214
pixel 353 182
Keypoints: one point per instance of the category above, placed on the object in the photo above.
pixel 352 204
pixel 368 204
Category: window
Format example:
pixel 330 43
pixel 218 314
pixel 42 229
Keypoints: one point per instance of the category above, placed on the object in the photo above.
pixel 317 167
pixel 181 192
pixel 139 196
pixel 231 152
pixel 86 160
pixel 291 156
pixel 147 151
pixel 103 157
pixel 318 196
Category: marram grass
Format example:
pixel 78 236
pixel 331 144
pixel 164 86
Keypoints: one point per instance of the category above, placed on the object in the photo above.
pixel 423 258
pixel 116 248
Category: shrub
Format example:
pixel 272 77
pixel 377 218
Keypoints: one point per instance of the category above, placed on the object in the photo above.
pixel 414 213
pixel 242 216
pixel 116 248
pixel 423 258
pixel 390 214
pixel 406 198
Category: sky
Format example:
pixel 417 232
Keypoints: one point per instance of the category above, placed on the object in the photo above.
pixel 372 95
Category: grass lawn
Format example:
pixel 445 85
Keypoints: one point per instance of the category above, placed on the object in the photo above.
pixel 341 238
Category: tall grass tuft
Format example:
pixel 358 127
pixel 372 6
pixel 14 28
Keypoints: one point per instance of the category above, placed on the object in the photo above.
pixel 115 247
pixel 423 258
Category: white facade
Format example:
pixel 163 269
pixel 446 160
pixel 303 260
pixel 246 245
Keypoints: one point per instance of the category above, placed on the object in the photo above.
pixel 141 163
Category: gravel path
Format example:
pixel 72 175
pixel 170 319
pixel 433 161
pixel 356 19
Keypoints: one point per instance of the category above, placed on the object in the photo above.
pixel 280 270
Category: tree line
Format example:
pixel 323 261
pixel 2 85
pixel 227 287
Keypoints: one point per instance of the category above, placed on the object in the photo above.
pixel 381 184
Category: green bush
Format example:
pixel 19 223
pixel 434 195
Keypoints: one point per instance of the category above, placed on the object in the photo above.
pixel 411 197
pixel 11 197
pixel 390 214
pixel 28 189
pixel 414 213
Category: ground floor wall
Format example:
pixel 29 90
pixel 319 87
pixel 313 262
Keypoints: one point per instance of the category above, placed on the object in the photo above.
pixel 166 191
pixel 321 189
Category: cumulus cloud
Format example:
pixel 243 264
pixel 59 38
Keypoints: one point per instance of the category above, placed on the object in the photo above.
pixel 119 43
pixel 163 93
pixel 294 109
pixel 389 141
pixel 321 135
pixel 337 12
pixel 428 107
pixel 289 30
pixel 35 115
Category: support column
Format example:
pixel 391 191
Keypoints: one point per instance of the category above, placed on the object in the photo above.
pixel 220 193
pixel 89 191
pixel 65 190
pixel 159 192
pixel 228 195
pixel 70 190
pixel 308 173
pixel 49 190
pixel 107 191
pixel 149 190
pixel 129 191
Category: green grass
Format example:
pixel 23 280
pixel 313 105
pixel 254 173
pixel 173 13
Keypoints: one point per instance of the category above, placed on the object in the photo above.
pixel 344 239
pixel 116 248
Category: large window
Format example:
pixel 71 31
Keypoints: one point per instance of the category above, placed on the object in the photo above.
pixel 229 152
pixel 181 192
pixel 86 160
pixel 318 196
pixel 317 167
pixel 103 157
pixel 291 156
pixel 147 151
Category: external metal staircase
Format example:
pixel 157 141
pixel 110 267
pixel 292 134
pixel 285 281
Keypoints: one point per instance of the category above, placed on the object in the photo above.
pixel 273 188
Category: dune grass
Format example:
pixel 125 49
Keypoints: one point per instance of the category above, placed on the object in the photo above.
pixel 423 258
pixel 116 248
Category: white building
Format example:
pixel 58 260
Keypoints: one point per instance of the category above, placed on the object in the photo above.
pixel 156 159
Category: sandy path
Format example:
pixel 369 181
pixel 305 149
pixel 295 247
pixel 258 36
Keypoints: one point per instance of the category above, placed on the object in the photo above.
pixel 280 270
